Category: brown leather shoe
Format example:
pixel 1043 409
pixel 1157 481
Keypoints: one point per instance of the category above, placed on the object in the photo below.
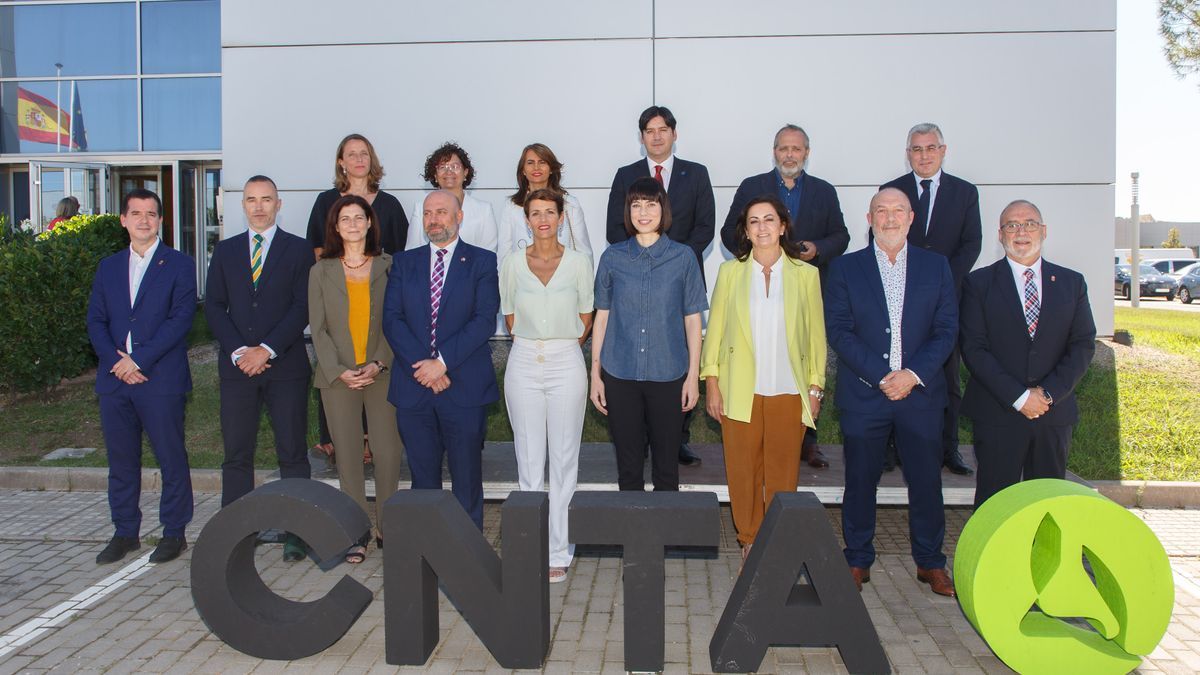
pixel 938 580
pixel 861 576
pixel 810 453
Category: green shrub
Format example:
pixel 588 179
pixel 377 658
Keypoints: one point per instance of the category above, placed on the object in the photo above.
pixel 45 282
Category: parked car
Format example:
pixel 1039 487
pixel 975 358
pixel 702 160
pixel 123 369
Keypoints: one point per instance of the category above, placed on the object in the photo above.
pixel 1170 266
pixel 1181 271
pixel 1188 286
pixel 1152 281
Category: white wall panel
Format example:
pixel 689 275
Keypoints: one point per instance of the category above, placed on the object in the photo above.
pixel 318 22
pixel 1015 108
pixel 691 18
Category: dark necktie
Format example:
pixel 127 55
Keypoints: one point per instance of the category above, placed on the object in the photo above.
pixel 435 298
pixel 658 175
pixel 923 207
pixel 1033 304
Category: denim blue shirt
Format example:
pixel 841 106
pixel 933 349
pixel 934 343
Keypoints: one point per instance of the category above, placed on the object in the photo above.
pixel 648 292
pixel 790 198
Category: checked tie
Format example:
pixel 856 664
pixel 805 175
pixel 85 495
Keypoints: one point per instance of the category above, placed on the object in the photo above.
pixel 256 261
pixel 435 298
pixel 1032 304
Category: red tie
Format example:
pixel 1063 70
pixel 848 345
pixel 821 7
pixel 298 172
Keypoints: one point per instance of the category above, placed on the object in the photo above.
pixel 658 174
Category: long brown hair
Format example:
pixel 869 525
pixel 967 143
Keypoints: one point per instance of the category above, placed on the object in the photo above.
pixel 743 247
pixel 334 246
pixel 341 181
pixel 545 153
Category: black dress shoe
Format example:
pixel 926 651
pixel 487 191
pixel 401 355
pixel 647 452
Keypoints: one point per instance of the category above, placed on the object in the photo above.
pixel 687 457
pixel 955 463
pixel 168 549
pixel 117 548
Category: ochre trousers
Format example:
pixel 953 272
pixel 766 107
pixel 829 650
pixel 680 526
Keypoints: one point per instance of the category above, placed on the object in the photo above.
pixel 762 457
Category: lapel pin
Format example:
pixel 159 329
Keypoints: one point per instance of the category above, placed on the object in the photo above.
pixel 161 262
pixel 1052 278
pixel 463 259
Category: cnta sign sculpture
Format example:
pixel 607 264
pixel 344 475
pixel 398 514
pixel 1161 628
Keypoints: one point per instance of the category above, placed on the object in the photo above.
pixel 507 602
pixel 1028 546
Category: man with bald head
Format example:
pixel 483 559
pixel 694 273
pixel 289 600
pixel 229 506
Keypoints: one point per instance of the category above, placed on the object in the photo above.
pixel 892 316
pixel 438 314
pixel 1027 337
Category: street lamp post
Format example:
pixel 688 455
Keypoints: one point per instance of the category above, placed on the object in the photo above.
pixel 58 108
pixel 1135 249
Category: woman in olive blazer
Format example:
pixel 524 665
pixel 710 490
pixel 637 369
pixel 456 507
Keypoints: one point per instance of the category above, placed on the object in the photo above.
pixel 763 361
pixel 345 308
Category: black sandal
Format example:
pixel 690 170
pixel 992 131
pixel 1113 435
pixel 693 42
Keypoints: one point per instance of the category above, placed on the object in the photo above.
pixel 356 555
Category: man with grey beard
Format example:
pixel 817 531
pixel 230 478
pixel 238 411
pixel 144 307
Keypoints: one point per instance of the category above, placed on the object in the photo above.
pixel 815 215
pixel 813 207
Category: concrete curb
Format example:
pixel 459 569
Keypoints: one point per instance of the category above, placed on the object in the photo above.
pixel 1150 494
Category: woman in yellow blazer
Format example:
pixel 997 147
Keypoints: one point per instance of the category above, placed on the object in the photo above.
pixel 764 361
pixel 345 306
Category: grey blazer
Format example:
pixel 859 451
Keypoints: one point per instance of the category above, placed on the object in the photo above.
pixel 328 317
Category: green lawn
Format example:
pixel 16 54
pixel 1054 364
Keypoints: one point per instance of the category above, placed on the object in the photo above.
pixel 1140 420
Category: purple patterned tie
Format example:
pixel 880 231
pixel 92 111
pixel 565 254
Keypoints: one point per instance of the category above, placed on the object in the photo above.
pixel 1032 304
pixel 435 298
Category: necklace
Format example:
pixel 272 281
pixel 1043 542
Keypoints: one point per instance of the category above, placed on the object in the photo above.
pixel 354 267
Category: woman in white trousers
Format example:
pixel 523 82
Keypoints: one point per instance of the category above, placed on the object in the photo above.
pixel 546 299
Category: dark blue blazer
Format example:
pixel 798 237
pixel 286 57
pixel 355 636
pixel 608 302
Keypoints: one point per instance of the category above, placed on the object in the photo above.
pixel 693 210
pixel 856 323
pixel 159 318
pixel 819 220
pixel 466 321
pixel 954 228
pixel 1002 359
pixel 275 314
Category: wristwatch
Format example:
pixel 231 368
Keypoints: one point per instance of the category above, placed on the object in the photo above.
pixel 382 368
pixel 818 394
pixel 1049 399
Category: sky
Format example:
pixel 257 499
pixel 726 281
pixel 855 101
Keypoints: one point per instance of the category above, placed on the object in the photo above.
pixel 1158 121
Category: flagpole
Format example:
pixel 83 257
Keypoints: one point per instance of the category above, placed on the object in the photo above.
pixel 70 134
pixel 58 109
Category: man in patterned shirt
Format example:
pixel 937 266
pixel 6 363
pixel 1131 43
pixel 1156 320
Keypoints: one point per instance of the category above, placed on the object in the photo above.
pixel 892 317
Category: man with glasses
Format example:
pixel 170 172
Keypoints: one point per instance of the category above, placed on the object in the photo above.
pixel 947 222
pixel 1027 337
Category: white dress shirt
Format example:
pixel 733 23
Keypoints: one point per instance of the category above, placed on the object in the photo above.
pixel 446 260
pixel 138 264
pixel 514 231
pixel 668 166
pixel 478 226
pixel 933 190
pixel 1018 272
pixel 894 275
pixel 768 327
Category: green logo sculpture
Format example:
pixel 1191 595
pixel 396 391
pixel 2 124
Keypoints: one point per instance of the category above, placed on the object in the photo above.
pixel 1020 571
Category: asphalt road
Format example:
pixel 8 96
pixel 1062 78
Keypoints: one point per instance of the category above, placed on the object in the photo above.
pixel 1161 303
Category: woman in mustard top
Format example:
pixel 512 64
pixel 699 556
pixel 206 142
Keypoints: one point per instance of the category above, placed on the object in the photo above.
pixel 764 361
pixel 345 302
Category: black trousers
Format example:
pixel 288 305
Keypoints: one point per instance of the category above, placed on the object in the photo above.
pixel 1024 450
pixel 953 403
pixel 639 411
pixel 242 402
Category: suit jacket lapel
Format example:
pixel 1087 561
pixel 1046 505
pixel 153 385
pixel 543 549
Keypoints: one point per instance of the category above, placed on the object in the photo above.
pixel 1051 299
pixel 1010 295
pixel 870 272
pixel 156 264
pixel 945 195
pixel 741 299
pixel 458 270
pixel 278 246
pixel 791 294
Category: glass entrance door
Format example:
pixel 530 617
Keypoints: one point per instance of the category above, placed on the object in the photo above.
pixel 200 216
pixel 50 182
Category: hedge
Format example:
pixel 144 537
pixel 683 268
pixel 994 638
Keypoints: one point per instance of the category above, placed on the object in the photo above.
pixel 45 282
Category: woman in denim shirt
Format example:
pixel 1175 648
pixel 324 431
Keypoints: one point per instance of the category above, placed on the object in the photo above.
pixel 646 339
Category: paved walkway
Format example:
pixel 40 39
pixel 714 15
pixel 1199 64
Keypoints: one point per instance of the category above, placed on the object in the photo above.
pixel 60 612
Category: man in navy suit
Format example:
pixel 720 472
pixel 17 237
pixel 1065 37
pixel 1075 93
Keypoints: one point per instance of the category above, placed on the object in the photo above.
pixel 817 222
pixel 689 190
pixel 438 314
pixel 1027 339
pixel 892 317
pixel 257 307
pixel 141 308
pixel 946 222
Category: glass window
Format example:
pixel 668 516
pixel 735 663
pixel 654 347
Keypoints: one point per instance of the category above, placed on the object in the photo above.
pixel 85 39
pixel 53 189
pixel 90 116
pixel 20 181
pixel 181 37
pixel 181 113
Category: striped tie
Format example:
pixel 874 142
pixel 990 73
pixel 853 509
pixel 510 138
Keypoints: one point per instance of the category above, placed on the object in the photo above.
pixel 256 261
pixel 435 299
pixel 1033 306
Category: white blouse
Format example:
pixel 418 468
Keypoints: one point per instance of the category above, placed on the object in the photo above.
pixel 768 326
pixel 478 225
pixel 550 311
pixel 514 232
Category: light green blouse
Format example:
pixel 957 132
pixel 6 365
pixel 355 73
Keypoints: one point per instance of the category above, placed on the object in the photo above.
pixel 551 311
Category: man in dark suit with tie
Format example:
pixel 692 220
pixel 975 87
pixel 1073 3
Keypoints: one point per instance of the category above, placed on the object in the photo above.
pixel 817 222
pixel 892 317
pixel 438 314
pixel 946 222
pixel 1027 339
pixel 141 308
pixel 257 307
pixel 693 210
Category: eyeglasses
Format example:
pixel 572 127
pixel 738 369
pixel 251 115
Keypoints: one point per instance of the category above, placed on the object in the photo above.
pixel 449 168
pixel 927 149
pixel 1027 226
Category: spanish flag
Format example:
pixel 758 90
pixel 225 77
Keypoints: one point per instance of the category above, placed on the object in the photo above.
pixel 38 120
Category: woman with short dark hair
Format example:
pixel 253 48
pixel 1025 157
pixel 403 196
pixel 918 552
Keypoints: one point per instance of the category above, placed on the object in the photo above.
pixel 449 168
